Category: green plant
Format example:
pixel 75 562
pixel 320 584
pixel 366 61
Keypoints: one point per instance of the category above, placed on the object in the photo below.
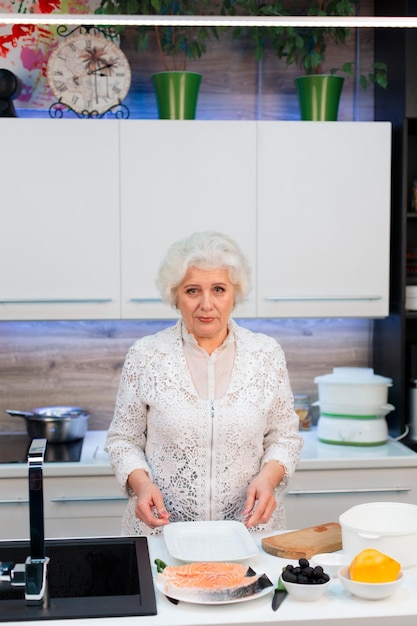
pixel 305 46
pixel 176 44
pixel 262 37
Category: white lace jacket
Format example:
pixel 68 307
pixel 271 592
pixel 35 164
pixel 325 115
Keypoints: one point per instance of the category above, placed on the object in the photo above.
pixel 202 454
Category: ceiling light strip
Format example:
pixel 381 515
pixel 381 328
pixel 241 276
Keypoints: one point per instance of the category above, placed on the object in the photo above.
pixel 206 20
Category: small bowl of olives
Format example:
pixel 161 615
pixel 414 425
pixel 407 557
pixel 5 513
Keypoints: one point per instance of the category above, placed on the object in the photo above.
pixel 304 582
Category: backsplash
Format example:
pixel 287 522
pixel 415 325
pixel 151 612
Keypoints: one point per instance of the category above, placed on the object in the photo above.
pixel 79 363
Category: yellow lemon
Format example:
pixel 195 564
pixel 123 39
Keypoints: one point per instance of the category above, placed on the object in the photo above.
pixel 372 566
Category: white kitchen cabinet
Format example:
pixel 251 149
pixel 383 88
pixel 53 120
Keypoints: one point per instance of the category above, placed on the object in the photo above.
pixel 14 509
pixel 320 496
pixel 177 178
pixel 331 478
pixel 74 506
pixel 59 224
pixel 323 219
pixel 90 207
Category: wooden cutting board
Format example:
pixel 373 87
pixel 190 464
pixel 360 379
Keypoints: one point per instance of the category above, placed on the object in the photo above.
pixel 305 543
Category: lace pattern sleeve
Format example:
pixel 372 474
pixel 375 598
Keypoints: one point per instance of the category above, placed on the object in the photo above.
pixel 282 440
pixel 126 436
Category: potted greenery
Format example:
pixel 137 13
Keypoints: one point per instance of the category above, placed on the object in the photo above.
pixel 306 47
pixel 176 88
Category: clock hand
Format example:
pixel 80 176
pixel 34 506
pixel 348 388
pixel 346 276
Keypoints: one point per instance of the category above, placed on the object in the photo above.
pixel 103 67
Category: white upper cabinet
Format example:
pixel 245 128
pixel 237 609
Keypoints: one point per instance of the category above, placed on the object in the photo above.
pixel 323 219
pixel 89 208
pixel 59 219
pixel 177 178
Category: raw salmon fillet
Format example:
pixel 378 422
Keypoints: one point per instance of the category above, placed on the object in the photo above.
pixel 214 580
pixel 212 575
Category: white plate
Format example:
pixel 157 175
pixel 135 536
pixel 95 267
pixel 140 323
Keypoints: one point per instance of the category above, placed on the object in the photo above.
pixel 177 596
pixel 209 541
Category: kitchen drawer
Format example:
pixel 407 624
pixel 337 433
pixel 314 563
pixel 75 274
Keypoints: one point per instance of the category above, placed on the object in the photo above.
pixel 14 509
pixel 319 496
pixel 73 507
pixel 83 497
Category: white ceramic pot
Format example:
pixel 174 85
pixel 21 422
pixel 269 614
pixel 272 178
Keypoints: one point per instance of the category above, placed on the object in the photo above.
pixel 390 527
pixel 353 386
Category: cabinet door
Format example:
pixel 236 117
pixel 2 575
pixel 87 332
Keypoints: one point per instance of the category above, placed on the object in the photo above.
pixel 323 219
pixel 74 506
pixel 83 506
pixel 177 178
pixel 59 224
pixel 14 509
pixel 320 496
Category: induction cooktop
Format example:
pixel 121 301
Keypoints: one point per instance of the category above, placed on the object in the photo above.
pixel 14 448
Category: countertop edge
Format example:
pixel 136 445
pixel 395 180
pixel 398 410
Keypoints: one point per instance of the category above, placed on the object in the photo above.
pixel 315 456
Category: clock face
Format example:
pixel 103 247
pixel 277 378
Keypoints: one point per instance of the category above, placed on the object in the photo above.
pixel 88 73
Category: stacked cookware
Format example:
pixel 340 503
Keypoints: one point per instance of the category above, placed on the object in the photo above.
pixel 353 405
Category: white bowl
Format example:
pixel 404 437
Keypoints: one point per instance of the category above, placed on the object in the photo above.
pixel 369 591
pixel 390 527
pixel 331 562
pixel 305 592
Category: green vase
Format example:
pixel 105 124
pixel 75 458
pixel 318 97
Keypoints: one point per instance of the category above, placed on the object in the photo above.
pixel 319 97
pixel 176 94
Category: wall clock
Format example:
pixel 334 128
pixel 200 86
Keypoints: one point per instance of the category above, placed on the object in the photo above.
pixel 89 74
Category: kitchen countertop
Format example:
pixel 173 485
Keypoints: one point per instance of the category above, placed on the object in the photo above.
pixel 94 461
pixel 336 608
pixel 315 455
pixel 318 455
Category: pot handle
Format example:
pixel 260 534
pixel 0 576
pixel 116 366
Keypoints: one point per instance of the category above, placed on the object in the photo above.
pixel 19 413
pixel 369 536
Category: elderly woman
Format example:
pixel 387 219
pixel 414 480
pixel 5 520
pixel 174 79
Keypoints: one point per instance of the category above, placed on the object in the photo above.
pixel 204 425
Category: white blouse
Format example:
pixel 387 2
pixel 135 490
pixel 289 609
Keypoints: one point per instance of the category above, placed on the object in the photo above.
pixel 203 426
pixel 210 373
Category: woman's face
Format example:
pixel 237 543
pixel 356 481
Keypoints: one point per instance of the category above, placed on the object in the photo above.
pixel 206 299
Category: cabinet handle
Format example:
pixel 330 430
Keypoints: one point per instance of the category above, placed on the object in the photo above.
pixel 145 300
pixel 58 301
pixel 64 499
pixel 15 501
pixel 303 492
pixel 320 298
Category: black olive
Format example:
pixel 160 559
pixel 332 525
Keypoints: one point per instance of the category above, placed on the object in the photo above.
pixel 304 574
pixel 290 577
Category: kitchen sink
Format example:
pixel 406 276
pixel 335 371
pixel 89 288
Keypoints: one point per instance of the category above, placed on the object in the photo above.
pixel 108 577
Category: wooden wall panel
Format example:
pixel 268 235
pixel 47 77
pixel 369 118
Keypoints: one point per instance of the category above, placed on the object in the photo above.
pixel 79 363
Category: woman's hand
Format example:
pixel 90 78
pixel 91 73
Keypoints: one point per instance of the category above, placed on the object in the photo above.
pixel 260 498
pixel 150 507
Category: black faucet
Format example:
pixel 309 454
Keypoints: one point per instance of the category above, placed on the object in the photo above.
pixel 36 566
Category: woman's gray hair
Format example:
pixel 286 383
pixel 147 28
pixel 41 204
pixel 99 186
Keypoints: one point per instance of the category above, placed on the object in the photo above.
pixel 206 250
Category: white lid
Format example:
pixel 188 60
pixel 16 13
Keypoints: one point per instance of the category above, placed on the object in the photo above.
pixel 353 375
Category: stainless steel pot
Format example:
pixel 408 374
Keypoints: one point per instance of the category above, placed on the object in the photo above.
pixel 57 424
